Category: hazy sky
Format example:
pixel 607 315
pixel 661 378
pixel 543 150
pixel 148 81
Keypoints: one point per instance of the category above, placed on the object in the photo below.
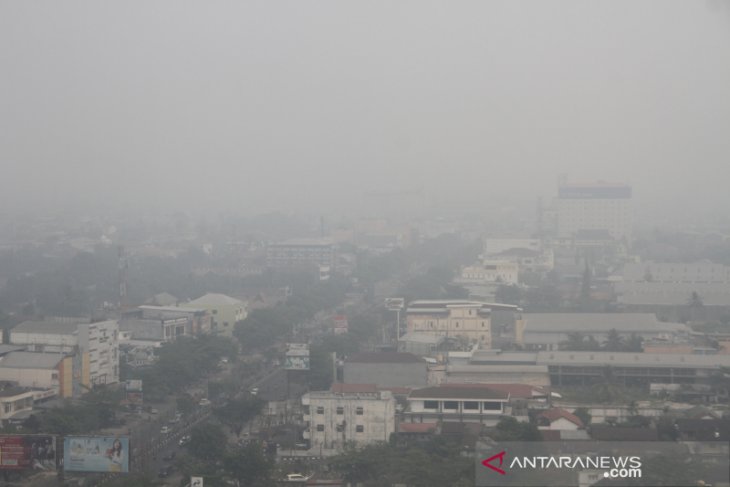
pixel 257 105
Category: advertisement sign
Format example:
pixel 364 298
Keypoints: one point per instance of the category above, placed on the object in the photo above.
pixel 196 481
pixel 297 356
pixel 134 391
pixel 340 324
pixel 96 454
pixel 19 452
pixel 395 304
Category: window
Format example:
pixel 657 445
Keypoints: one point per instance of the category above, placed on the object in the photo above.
pixel 320 409
pixel 359 411
pixel 430 404
pixel 306 410
pixel 359 428
pixel 453 405
pixel 471 406
pixel 320 427
pixel 8 407
pixel 340 410
pixel 492 406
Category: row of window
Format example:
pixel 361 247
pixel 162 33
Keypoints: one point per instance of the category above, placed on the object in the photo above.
pixel 467 405
pixel 340 410
pixel 341 427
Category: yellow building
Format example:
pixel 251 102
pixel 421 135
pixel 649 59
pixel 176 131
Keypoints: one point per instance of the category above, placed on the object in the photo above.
pixel 225 311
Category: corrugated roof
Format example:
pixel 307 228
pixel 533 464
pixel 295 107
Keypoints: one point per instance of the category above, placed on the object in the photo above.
pixel 51 326
pixel 341 388
pixel 384 358
pixel 214 299
pixel 558 413
pixel 31 360
pixel 597 322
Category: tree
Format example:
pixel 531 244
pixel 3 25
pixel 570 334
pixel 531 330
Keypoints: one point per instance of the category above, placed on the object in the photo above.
pixel 584 415
pixel 237 412
pixel 249 466
pixel 614 342
pixel 207 442
pixel 696 307
pixel 509 429
pixel 508 294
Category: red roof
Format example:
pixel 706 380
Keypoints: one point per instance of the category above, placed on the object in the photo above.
pixel 403 391
pixel 417 427
pixel 341 388
pixel 557 413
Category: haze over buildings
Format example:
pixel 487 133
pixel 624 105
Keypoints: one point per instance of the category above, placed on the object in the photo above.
pixel 259 106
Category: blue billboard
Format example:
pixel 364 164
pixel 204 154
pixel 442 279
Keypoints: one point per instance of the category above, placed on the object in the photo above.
pixel 96 454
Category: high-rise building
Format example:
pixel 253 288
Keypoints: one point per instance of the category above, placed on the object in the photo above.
pixel 594 208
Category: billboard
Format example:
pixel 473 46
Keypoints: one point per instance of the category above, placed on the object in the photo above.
pixel 340 324
pixel 134 391
pixel 96 454
pixel 297 356
pixel 19 452
pixel 395 304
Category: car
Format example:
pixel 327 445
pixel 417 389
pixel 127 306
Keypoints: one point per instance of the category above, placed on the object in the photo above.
pixel 165 471
pixel 174 420
pixel 170 457
pixel 184 440
pixel 253 391
pixel 153 411
pixel 296 476
pixel 165 430
pixel 204 402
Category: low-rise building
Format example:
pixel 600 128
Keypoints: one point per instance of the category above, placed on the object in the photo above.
pixel 301 253
pixel 491 272
pixel 41 371
pixel 15 401
pixel 225 310
pixel 357 414
pixel 546 331
pixel 386 369
pixel 558 419
pixel 199 319
pixel 95 344
pixel 422 344
pixel 466 320
pixel 460 403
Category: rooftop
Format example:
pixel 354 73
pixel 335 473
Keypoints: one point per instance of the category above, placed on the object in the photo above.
pixel 384 358
pixel 597 322
pixel 214 299
pixel 558 413
pixel 341 388
pixel 55 326
pixel 31 360
pixel 458 391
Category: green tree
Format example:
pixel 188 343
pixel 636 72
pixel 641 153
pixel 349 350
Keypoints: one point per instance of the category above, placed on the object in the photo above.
pixel 584 415
pixel 207 442
pixel 249 466
pixel 509 429
pixel 237 412
pixel 614 342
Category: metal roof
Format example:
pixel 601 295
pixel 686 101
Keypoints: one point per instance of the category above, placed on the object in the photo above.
pixel 31 360
pixel 51 326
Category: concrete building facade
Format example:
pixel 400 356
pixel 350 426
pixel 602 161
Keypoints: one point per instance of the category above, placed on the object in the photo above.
pixel 357 414
pixel 594 206
pixel 467 320
pixel 386 369
pixel 225 311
